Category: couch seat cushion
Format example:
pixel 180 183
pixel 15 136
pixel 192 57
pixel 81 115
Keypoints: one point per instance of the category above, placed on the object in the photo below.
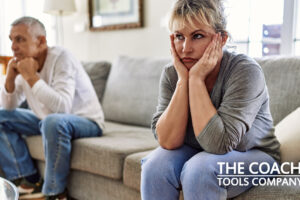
pixel 118 127
pixel 271 192
pixel 103 155
pixel 132 170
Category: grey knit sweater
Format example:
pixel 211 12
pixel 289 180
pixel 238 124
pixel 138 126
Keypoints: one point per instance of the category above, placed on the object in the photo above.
pixel 243 120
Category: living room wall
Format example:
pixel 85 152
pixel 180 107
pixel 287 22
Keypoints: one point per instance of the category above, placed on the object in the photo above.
pixel 152 40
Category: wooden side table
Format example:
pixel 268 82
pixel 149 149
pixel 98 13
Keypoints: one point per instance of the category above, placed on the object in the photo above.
pixel 4 61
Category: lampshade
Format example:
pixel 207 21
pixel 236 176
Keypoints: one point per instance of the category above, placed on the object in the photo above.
pixel 59 7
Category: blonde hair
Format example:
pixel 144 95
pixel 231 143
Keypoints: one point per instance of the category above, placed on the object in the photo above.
pixel 208 12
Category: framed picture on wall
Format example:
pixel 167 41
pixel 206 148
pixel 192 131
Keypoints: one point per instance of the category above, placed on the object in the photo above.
pixel 115 14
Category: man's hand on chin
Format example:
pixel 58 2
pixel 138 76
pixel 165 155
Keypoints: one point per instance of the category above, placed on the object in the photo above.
pixel 28 67
pixel 12 66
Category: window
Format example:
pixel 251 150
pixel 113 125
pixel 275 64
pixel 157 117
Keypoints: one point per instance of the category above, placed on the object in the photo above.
pixel 263 27
pixel 13 9
pixel 297 39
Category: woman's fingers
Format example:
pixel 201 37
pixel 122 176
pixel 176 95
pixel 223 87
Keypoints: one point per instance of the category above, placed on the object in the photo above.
pixel 215 52
pixel 179 66
pixel 219 43
pixel 173 51
pixel 209 58
pixel 217 49
pixel 210 50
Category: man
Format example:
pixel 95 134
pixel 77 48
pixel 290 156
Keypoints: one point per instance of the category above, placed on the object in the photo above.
pixel 63 104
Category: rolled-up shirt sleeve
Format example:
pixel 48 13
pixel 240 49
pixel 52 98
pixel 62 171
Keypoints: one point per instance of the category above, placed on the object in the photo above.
pixel 244 93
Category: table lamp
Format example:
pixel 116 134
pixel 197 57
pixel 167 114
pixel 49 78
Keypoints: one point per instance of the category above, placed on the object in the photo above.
pixel 59 8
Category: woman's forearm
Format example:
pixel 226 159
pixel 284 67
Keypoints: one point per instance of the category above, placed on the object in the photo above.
pixel 171 126
pixel 202 109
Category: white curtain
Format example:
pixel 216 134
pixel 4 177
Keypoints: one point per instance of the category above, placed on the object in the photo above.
pixel 13 9
pixel 10 10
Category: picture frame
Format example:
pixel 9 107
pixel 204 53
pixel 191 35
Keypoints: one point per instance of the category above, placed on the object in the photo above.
pixel 115 14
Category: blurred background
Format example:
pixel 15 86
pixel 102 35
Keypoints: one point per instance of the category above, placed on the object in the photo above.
pixel 258 28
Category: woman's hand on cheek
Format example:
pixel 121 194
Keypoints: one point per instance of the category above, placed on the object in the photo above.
pixel 209 59
pixel 181 70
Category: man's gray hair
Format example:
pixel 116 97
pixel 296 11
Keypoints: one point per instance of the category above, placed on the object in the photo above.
pixel 33 24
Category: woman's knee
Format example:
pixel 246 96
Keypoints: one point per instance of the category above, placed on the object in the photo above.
pixel 199 168
pixel 159 167
pixel 152 167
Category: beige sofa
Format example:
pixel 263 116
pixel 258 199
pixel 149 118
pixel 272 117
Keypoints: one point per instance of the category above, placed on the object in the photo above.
pixel 108 167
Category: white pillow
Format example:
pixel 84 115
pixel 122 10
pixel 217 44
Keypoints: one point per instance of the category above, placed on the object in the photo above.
pixel 287 132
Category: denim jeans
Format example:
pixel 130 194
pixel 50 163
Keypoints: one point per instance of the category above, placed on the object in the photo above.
pixel 166 172
pixel 57 131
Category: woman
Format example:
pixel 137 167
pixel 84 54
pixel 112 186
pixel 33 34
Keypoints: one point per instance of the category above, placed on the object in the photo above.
pixel 213 109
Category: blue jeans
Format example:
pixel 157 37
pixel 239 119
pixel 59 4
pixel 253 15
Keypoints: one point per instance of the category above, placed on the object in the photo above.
pixel 57 131
pixel 166 172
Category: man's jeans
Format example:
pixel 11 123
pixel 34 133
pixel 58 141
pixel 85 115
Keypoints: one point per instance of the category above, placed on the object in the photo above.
pixel 57 131
pixel 165 172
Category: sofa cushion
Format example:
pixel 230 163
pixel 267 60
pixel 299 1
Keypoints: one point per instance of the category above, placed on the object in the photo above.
pixel 132 90
pixel 282 78
pixel 271 192
pixel 98 73
pixel 132 170
pixel 94 187
pixel 102 155
pixel 117 127
pixel 288 133
pixel 87 186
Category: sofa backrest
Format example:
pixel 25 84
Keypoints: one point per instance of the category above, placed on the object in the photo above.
pixel 131 91
pixel 283 80
pixel 98 73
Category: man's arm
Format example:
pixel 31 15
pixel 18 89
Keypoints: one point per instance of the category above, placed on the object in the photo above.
pixel 11 93
pixel 28 68
pixel 57 94
pixel 11 76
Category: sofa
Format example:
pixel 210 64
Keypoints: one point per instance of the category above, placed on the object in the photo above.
pixel 108 167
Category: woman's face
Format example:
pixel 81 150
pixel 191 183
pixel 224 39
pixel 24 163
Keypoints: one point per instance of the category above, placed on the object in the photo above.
pixel 190 43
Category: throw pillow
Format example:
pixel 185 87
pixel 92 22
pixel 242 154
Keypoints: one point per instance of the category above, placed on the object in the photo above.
pixel 98 73
pixel 288 133
pixel 131 92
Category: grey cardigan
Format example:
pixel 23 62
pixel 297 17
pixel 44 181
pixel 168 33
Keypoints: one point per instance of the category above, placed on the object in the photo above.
pixel 240 95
